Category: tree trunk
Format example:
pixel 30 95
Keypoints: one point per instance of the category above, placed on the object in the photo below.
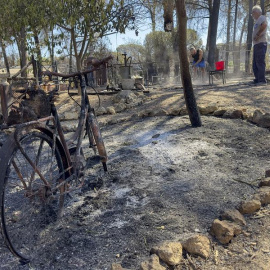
pixel 175 39
pixel 210 9
pixel 262 6
pixel 39 58
pixel 213 21
pixel 22 50
pixel 168 15
pixel 70 57
pixel 249 38
pixel 153 19
pixel 194 114
pixel 236 60
pixel 228 33
pixel 3 47
pixel 243 30
pixel 208 37
pixel 52 48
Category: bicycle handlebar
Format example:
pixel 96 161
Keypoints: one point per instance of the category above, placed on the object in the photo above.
pixel 95 63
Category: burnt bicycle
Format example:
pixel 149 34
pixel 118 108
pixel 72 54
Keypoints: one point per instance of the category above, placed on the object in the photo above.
pixel 40 167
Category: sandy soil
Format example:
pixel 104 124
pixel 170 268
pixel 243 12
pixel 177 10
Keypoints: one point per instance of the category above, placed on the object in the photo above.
pixel 166 181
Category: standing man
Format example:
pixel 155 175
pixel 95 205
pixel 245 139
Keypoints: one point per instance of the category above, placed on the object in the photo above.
pixel 259 45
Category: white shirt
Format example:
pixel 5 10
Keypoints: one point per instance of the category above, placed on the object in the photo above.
pixel 257 25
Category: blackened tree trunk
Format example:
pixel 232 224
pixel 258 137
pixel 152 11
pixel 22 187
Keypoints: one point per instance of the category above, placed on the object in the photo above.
pixel 168 15
pixel 3 47
pixel 213 21
pixel 193 111
pixel 249 38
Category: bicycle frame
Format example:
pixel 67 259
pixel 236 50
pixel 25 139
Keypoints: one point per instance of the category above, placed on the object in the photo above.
pixel 72 166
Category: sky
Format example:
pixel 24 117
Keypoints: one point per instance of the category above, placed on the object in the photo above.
pixel 119 39
pixel 129 36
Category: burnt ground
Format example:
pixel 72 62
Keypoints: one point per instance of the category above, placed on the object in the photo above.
pixel 166 181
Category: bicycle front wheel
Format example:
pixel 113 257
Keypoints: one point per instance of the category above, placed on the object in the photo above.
pixel 31 198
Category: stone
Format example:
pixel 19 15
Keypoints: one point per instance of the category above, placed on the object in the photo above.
pixel 148 112
pixel 257 115
pixel 224 230
pixel 139 86
pixel 198 245
pixel 125 96
pixel 247 114
pixel 183 111
pixel 70 115
pixel 169 252
pixel 263 195
pixel 233 114
pixel 234 216
pixel 142 114
pixel 204 110
pixel 101 110
pixel 120 107
pixel 152 264
pixel 117 266
pixel 113 121
pixel 129 106
pixel 174 111
pixel 219 112
pixel 267 173
pixel 265 121
pixel 159 112
pixel 111 110
pixel 265 182
pixel 261 119
pixel 249 207
pixel 69 127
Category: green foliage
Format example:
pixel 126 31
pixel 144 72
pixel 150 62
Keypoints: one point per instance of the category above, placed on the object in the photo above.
pixel 158 46
pixel 91 16
pixel 84 20
pixel 193 38
pixel 77 20
pixel 135 51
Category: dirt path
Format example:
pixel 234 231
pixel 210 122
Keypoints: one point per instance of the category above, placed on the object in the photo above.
pixel 166 181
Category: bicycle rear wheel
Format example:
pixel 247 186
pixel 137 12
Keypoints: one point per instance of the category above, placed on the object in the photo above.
pixel 29 207
pixel 95 138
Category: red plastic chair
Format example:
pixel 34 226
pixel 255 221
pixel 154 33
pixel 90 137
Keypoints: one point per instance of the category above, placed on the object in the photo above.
pixel 220 69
